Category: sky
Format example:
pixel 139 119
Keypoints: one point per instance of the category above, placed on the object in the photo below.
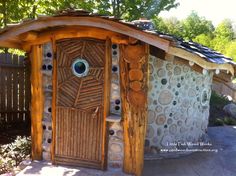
pixel 214 10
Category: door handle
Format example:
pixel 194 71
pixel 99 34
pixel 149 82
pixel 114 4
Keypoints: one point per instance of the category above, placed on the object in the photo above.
pixel 94 114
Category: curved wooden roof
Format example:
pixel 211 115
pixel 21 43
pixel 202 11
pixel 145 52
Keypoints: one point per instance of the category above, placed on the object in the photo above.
pixel 11 36
pixel 44 29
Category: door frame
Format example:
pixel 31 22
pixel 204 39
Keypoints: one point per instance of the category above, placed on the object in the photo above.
pixel 107 83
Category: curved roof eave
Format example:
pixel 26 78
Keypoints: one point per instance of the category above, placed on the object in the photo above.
pixel 104 23
pixel 10 36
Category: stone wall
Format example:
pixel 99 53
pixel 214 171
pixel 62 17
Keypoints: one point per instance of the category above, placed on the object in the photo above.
pixel 47 86
pixel 115 144
pixel 178 104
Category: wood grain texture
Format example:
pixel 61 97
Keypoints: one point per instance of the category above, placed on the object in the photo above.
pixel 74 32
pixel 199 61
pixel 50 22
pixel 80 105
pixel 14 90
pixel 37 99
pixel 134 106
pixel 107 85
pixel 54 99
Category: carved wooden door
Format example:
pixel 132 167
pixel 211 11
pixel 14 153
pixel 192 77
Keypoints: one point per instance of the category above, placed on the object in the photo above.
pixel 80 102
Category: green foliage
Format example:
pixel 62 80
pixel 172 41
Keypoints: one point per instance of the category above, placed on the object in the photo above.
pixel 170 25
pixel 133 9
pixel 223 121
pixel 12 154
pixel 231 50
pixel 15 10
pixel 202 31
pixel 218 122
pixel 224 30
pixel 203 39
pixel 218 100
pixel 217 103
pixel 229 121
pixel 194 25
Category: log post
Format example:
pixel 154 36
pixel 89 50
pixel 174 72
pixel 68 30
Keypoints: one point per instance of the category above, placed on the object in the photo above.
pixel 134 81
pixel 37 99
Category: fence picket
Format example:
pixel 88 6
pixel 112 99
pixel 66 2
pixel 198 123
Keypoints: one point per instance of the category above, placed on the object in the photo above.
pixel 14 90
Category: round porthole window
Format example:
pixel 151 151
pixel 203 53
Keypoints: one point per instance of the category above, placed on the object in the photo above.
pixel 80 67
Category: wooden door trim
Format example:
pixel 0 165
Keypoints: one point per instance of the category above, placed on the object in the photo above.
pixel 107 84
pixel 54 99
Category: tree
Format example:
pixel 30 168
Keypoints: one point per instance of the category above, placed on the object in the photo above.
pixel 224 30
pixel 204 39
pixel 223 35
pixel 15 10
pixel 169 25
pixel 231 50
pixel 134 9
pixel 194 25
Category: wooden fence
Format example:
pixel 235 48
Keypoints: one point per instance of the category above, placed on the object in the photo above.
pixel 14 90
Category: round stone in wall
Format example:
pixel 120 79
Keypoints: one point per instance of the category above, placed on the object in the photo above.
pixel 155 139
pixel 173 128
pixel 189 122
pixel 114 77
pixel 161 72
pixel 119 134
pixel 150 131
pixel 199 80
pixel 185 103
pixel 165 97
pixel 151 78
pixel 159 131
pixel 183 129
pixel 179 123
pixel 160 119
pixel 114 147
pixel 177 70
pixel 177 114
pixel 186 69
pixel 115 86
pixel 169 121
pixel 157 62
pixel 150 68
pixel 173 81
pixel 168 111
pixel 169 73
pixel 151 116
pixel 169 66
pixel 191 92
pixel 166 140
pixel 158 109
pixel 190 111
pixel 115 157
pixel 115 95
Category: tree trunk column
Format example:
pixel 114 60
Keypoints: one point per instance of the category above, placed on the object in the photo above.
pixel 37 102
pixel 134 67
